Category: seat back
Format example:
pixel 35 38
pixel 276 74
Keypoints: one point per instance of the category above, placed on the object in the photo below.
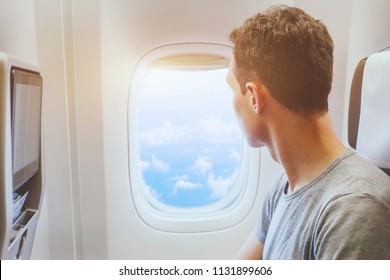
pixel 369 110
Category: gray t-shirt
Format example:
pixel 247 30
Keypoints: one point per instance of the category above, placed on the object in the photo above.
pixel 343 214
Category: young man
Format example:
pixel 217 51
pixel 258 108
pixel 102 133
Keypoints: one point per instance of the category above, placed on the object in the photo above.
pixel 330 203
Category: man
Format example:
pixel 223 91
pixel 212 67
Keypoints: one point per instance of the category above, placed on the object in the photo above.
pixel 330 203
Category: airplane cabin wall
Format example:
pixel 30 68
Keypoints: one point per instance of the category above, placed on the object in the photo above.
pixel 54 34
pixel 58 230
pixel 17 29
pixel 69 55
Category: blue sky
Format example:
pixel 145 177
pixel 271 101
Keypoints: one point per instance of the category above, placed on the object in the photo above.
pixel 190 143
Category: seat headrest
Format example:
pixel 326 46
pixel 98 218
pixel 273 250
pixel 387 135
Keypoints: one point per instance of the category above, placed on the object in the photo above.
pixel 369 110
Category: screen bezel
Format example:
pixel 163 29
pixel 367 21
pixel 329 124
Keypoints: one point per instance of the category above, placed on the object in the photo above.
pixel 29 78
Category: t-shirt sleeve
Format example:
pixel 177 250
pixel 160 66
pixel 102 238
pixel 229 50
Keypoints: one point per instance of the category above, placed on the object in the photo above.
pixel 354 226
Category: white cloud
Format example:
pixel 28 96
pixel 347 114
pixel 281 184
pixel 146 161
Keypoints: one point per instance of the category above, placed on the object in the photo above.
pixel 215 130
pixel 178 177
pixel 159 164
pixel 166 135
pixel 202 165
pixel 183 184
pixel 212 130
pixel 220 185
pixel 235 155
pixel 144 165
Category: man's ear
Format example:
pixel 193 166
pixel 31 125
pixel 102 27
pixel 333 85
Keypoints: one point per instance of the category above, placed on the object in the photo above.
pixel 256 90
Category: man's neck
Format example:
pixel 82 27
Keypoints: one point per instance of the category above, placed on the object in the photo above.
pixel 305 149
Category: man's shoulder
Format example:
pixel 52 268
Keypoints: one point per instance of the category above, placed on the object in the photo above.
pixel 356 178
pixel 356 172
pixel 355 212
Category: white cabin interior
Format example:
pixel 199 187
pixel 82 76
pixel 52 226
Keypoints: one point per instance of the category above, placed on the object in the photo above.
pixel 87 52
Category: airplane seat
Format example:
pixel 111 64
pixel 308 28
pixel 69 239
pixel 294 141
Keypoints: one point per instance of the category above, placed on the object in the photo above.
pixel 369 109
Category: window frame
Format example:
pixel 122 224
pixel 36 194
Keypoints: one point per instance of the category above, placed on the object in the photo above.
pixel 219 215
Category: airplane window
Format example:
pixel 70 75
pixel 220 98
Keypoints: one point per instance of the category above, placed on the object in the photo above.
pixel 190 169
pixel 189 142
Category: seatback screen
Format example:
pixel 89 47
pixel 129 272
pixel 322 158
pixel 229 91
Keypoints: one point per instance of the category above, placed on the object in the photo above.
pixel 26 99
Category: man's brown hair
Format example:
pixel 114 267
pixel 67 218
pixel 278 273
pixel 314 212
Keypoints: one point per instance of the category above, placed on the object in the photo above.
pixel 291 53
